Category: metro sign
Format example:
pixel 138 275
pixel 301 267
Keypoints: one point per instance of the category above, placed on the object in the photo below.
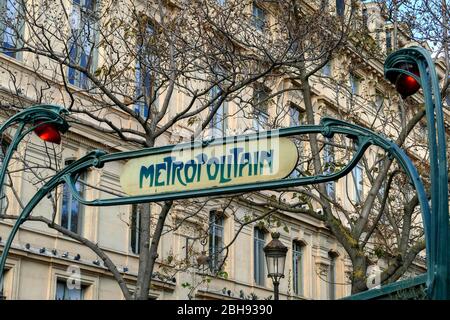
pixel 228 164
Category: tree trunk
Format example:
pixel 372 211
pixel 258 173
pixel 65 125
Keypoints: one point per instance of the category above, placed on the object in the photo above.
pixel 142 285
pixel 147 263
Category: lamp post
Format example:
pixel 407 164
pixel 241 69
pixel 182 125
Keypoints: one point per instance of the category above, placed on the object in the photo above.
pixel 410 69
pixel 275 252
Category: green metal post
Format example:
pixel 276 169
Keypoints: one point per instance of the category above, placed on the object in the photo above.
pixel 439 287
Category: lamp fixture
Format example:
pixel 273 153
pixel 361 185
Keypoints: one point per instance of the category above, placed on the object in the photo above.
pixel 48 132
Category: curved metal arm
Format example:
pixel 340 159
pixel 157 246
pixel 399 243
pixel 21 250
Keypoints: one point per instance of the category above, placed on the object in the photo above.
pixel 90 160
pixel 33 115
pixel 438 255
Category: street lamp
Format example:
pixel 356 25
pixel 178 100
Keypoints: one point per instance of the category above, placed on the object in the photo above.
pixel 275 253
pixel 410 69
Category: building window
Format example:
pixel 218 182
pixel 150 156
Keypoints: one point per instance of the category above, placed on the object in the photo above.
pixel 340 7
pixel 258 256
pixel 3 199
pixel 189 246
pixel 295 119
pixel 10 27
pixel 65 292
pixel 135 223
pixel 295 116
pixel 332 275
pixel 326 69
pixel 331 189
pixel 382 189
pixel 329 167
pixel 297 267
pixel 145 76
pixel 72 212
pixel 365 18
pixel 82 41
pixel 259 17
pixel 379 100
pixel 388 41
pixel 357 175
pixel 261 108
pixel 3 287
pixel 354 83
pixel 219 121
pixel 216 239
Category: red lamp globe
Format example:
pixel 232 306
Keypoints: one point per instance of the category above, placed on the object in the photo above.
pixel 405 84
pixel 48 132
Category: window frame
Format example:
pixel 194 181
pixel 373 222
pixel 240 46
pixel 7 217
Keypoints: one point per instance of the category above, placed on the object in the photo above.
pixel 379 95
pixel 365 17
pixel 145 82
pixel 327 70
pixel 340 8
pixel 298 274
pixel 358 193
pixel 388 42
pixel 135 223
pixel 294 115
pixel 3 30
pixel 329 157
pixel 355 83
pixel 332 275
pixel 261 107
pixel 80 183
pixel 3 196
pixel 63 282
pixel 219 120
pixel 259 260
pixel 216 231
pixel 259 17
pixel 75 77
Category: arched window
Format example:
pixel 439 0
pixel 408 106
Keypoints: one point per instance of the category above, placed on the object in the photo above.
pixel 332 274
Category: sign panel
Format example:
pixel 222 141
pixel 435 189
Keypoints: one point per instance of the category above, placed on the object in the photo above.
pixel 229 164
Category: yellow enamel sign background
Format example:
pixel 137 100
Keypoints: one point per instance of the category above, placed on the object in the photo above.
pixel 214 166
